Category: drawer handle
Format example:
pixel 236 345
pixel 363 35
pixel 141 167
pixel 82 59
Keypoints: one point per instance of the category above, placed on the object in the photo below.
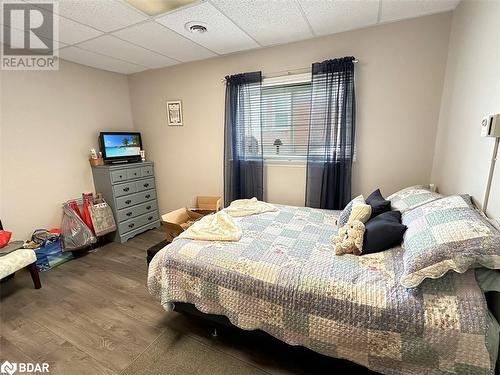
pixel 148 207
pixel 128 201
pixel 150 218
pixel 135 173
pixel 126 189
pixel 146 185
pixel 121 176
pixel 129 214
pixel 148 196
pixel 131 225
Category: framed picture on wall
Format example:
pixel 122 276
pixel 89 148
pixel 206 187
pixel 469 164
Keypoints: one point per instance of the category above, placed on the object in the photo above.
pixel 174 113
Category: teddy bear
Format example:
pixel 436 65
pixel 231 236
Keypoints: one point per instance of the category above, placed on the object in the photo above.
pixel 350 238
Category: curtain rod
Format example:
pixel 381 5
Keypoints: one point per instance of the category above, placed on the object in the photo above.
pixel 288 72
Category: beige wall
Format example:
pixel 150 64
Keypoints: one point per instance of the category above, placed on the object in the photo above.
pixel 285 184
pixel 399 84
pixel 49 122
pixel 471 91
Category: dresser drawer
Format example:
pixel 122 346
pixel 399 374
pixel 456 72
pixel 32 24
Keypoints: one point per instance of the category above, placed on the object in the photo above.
pixel 133 199
pixel 148 183
pixel 146 171
pixel 133 173
pixel 120 175
pixel 137 222
pixel 140 209
pixel 124 189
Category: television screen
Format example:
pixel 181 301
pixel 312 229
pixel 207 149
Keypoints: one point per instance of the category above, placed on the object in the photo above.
pixel 121 145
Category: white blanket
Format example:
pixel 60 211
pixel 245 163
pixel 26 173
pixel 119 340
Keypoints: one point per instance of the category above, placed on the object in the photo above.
pixel 216 227
pixel 246 207
pixel 221 226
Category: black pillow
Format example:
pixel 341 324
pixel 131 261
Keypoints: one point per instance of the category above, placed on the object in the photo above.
pixel 383 232
pixel 378 203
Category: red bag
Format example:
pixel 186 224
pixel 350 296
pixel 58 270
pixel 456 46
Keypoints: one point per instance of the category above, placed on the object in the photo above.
pixel 87 219
pixel 75 208
pixel 4 238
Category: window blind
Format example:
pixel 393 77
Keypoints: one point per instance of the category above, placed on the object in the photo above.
pixel 285 120
pixel 247 139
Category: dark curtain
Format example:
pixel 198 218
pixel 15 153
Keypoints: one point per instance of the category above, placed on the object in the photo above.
pixel 243 160
pixel 331 134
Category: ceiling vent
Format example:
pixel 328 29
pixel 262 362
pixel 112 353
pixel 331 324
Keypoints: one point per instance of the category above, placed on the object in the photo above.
pixel 196 27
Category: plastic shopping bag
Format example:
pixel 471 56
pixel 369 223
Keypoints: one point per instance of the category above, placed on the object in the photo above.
pixel 75 233
pixel 102 218
pixel 50 254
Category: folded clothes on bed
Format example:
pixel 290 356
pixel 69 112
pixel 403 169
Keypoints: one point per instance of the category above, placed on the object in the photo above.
pixel 217 227
pixel 247 207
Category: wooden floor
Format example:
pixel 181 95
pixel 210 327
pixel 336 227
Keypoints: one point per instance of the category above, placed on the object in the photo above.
pixel 94 315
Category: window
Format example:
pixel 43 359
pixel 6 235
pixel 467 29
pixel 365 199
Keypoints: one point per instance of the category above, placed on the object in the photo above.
pixel 285 110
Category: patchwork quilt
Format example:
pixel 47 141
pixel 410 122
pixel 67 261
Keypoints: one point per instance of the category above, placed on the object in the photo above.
pixel 283 277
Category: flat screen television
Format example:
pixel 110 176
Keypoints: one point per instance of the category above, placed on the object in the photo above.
pixel 120 147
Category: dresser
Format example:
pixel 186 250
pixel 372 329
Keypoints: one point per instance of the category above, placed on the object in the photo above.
pixel 130 191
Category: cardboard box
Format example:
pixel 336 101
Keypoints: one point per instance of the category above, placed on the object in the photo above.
pixel 209 204
pixel 178 221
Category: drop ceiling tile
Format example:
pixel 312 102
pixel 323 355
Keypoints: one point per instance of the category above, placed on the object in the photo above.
pixel 268 22
pixel 71 32
pixel 110 46
pixel 104 15
pixel 95 60
pixel 17 37
pixel 333 16
pixel 393 10
pixel 158 38
pixel 223 35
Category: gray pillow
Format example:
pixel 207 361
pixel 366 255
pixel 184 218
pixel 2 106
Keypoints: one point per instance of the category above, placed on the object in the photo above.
pixel 412 197
pixel 447 234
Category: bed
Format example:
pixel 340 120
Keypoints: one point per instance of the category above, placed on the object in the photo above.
pixel 283 278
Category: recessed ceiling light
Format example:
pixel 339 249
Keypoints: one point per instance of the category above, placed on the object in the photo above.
pixel 196 27
pixel 156 7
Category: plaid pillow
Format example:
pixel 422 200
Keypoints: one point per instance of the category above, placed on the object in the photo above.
pixel 412 197
pixel 447 234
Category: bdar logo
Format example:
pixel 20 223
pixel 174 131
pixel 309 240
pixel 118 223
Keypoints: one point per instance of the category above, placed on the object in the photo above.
pixel 8 368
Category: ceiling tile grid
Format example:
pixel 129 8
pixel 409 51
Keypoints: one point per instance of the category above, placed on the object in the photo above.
pixel 95 60
pixel 104 15
pixel 158 38
pixel 71 32
pixel 113 35
pixel 267 22
pixel 113 47
pixel 17 38
pixel 329 17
